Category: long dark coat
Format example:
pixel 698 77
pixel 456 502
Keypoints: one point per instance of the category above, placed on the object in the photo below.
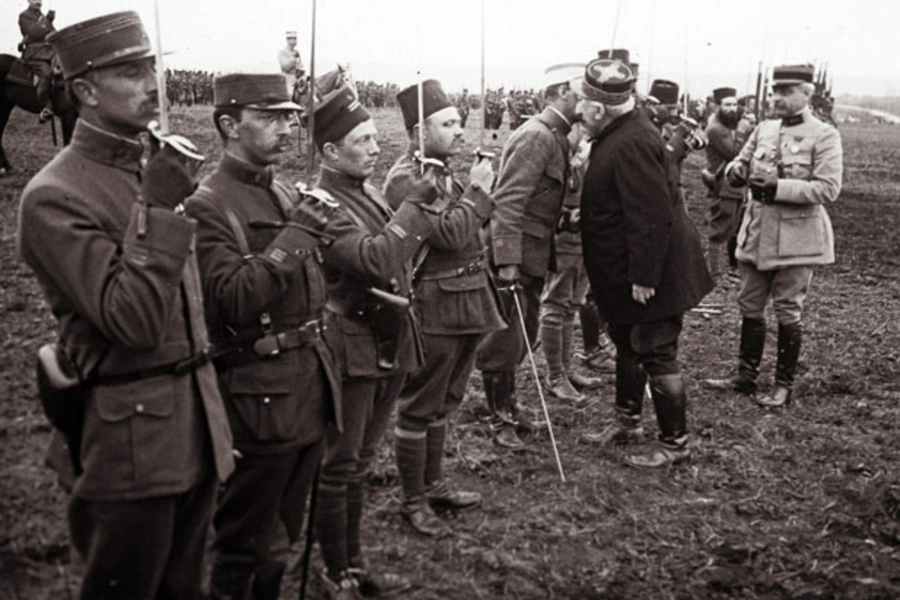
pixel 635 229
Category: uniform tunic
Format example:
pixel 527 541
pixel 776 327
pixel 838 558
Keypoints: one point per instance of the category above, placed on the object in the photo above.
pixel 128 299
pixel 455 298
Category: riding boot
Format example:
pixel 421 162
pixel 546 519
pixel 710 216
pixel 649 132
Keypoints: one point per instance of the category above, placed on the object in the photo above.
pixel 753 341
pixel 670 402
pixel 789 338
pixel 558 384
pixel 498 393
pixel 631 379
pixel 331 525
pixel 411 450
pixel 579 380
pixel 732 249
pixel 590 326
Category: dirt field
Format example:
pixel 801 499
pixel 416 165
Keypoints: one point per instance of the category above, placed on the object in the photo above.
pixel 800 504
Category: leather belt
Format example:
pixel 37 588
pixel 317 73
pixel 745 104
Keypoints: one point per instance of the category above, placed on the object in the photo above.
pixel 271 345
pixel 354 312
pixel 175 369
pixel 469 269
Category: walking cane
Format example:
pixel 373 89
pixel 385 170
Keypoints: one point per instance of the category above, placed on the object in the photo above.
pixel 537 380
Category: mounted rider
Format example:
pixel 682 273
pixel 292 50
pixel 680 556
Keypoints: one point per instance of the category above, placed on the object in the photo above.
pixel 36 51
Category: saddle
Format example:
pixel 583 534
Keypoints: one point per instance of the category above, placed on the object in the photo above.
pixel 21 74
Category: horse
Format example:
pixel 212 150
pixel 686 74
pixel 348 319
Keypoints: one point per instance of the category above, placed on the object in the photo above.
pixel 17 90
pixel 325 84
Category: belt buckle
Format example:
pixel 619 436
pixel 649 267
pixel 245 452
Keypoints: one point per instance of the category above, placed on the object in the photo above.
pixel 310 331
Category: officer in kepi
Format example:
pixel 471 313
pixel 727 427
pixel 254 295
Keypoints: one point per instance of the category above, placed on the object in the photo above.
pixel 265 298
pixel 37 52
pixel 454 297
pixel 793 166
pixel 290 62
pixel 372 328
pixel 114 254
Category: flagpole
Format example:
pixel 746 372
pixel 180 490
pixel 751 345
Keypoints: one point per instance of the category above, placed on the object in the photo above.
pixel 160 73
pixel 311 104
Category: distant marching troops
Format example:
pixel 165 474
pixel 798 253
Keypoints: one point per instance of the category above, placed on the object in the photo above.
pixel 255 336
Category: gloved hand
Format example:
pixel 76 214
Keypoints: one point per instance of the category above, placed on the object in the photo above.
pixel 508 275
pixel 736 173
pixel 763 187
pixel 422 190
pixel 314 209
pixel 165 181
pixel 482 173
pixel 51 14
pixel 569 221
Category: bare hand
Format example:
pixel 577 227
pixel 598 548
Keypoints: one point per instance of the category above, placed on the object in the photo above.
pixel 642 294
pixel 482 173
pixel 509 273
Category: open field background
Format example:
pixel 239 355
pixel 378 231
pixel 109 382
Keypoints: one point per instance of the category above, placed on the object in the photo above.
pixel 800 504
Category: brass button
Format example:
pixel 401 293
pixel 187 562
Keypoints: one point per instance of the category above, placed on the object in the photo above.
pixel 139 408
pixel 266 400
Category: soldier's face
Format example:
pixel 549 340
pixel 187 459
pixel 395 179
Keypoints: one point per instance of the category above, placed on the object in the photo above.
pixel 261 137
pixel 292 42
pixel 357 153
pixel 443 133
pixel 788 100
pixel 123 97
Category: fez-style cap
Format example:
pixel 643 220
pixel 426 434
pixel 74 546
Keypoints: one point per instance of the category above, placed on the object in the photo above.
pixel 792 75
pixel 433 100
pixel 665 91
pixel 253 90
pixel 562 73
pixel 721 93
pixel 620 54
pixel 100 42
pixel 337 115
pixel 607 81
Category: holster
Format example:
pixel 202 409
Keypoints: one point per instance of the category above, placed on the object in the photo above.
pixel 62 392
pixel 386 321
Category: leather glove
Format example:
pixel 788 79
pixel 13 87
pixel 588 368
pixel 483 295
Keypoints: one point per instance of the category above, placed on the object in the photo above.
pixel 165 181
pixel 314 210
pixel 763 187
pixel 736 173
pixel 508 275
pixel 422 191
pixel 51 14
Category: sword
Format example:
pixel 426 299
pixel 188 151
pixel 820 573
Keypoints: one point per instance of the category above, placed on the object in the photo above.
pixel 537 381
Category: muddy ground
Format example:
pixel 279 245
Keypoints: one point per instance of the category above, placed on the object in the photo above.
pixel 803 503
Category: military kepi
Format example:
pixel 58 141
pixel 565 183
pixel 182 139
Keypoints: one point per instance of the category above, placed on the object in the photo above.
pixel 337 115
pixel 433 100
pixel 100 42
pixel 792 74
pixel 665 91
pixel 721 93
pixel 607 81
pixel 262 91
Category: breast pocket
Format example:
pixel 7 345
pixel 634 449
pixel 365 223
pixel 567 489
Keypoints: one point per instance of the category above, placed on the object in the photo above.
pixel 797 158
pixel 801 232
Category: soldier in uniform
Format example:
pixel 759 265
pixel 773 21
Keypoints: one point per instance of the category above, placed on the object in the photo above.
pixel 793 166
pixel 373 332
pixel 566 286
pixel 534 169
pixel 643 258
pixel 114 254
pixel 37 52
pixel 289 61
pixel 463 105
pixel 454 298
pixel 726 138
pixel 265 299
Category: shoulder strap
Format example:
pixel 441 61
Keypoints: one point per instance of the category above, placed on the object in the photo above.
pixel 287 197
pixel 204 193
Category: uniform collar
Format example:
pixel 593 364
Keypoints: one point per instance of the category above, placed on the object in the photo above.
pixel 554 115
pixel 245 172
pixel 106 147
pixel 330 176
pixel 796 119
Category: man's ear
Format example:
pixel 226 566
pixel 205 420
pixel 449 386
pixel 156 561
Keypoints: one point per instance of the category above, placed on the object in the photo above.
pixel 229 127
pixel 329 151
pixel 85 90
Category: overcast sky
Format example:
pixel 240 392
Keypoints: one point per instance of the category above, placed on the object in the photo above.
pixel 701 43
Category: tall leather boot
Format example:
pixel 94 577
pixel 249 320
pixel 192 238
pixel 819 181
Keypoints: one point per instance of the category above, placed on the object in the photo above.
pixel 411 457
pixel 558 384
pixel 439 495
pixel 670 402
pixel 590 326
pixel 631 378
pixel 789 338
pixel 498 393
pixel 753 341
pixel 578 379
pixel 330 523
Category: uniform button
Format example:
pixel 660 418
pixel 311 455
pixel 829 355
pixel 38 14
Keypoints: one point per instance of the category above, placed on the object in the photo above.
pixel 266 400
pixel 139 408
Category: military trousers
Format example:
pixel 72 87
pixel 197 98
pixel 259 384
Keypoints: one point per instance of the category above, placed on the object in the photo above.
pixel 144 549
pixel 723 219
pixel 44 73
pixel 437 389
pixel 264 492
pixel 652 345
pixel 565 290
pixel 504 349
pixel 787 286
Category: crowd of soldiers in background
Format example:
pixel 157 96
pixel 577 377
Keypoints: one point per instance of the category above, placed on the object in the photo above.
pixel 189 87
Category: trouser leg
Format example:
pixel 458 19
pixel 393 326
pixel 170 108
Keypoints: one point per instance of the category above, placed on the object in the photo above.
pixel 670 403
pixel 789 339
